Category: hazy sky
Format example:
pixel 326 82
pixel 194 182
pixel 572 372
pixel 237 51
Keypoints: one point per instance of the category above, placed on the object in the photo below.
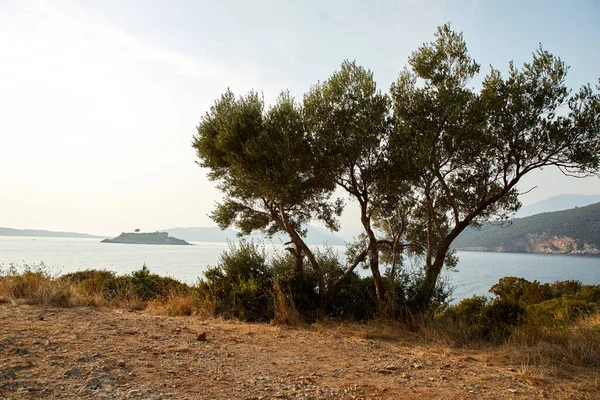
pixel 99 99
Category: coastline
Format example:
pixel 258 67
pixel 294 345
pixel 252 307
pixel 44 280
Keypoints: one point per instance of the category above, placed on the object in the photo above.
pixel 488 250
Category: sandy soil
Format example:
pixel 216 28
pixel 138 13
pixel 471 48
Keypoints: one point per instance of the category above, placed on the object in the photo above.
pixel 108 353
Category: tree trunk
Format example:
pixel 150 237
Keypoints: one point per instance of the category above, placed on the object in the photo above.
pixel 299 261
pixel 432 270
pixel 379 287
pixel 303 248
pixel 373 259
pixel 298 258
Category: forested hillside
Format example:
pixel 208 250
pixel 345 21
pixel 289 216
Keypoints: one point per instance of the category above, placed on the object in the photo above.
pixel 569 231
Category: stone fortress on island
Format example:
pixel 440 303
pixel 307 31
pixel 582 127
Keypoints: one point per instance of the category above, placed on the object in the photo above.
pixel 146 238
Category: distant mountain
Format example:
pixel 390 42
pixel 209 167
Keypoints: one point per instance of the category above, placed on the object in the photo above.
pixel 314 236
pixel 42 233
pixel 558 203
pixel 574 231
pixel 203 234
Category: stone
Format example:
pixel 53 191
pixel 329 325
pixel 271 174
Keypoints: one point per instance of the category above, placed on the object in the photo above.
pixel 201 337
pixel 73 372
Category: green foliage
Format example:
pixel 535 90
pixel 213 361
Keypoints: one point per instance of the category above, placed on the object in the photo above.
pixel 91 282
pixel 355 299
pixel 140 284
pixel 240 285
pixel 521 291
pixel 148 286
pixel 472 147
pixel 424 163
pixel 484 320
pixel 589 293
pixel 302 289
pixel 569 288
pixel 240 143
pixel 499 318
pixel 468 310
pixel 531 306
pixel 559 311
pixel 88 275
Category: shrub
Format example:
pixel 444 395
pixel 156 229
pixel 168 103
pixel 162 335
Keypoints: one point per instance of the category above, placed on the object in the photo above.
pixel 561 310
pixel 91 286
pixel 150 286
pixel 589 293
pixel 240 285
pixel 521 291
pixel 568 287
pixel 477 318
pixel 499 318
pixel 468 310
pixel 301 292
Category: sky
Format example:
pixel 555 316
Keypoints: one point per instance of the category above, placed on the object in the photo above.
pixel 99 100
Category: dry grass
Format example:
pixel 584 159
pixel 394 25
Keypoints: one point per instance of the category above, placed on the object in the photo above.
pixel 450 333
pixel 36 287
pixel 576 344
pixel 284 309
pixel 176 304
pixel 533 346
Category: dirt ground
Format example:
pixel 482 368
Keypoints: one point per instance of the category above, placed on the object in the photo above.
pixel 117 354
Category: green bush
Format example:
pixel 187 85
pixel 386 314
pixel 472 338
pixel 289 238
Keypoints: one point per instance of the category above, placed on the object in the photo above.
pixel 563 310
pixel 521 291
pixel 482 319
pixel 356 299
pixel 589 293
pixel 88 275
pixel 141 284
pixel 569 287
pixel 468 310
pixel 499 318
pixel 240 285
pixel 302 290
pixel 147 286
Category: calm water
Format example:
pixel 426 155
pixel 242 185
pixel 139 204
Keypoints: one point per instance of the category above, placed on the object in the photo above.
pixel 476 271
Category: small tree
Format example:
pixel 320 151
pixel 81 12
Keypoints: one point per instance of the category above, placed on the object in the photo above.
pixel 471 148
pixel 350 121
pixel 273 177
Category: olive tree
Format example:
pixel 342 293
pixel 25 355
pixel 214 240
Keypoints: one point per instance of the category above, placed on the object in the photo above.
pixel 269 170
pixel 350 121
pixel 472 147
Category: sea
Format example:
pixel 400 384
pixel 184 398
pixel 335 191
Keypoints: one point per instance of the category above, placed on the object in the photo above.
pixel 475 273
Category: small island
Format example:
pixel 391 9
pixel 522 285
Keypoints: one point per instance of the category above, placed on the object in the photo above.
pixel 146 238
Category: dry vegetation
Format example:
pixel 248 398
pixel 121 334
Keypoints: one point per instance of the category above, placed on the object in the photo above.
pixel 70 338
